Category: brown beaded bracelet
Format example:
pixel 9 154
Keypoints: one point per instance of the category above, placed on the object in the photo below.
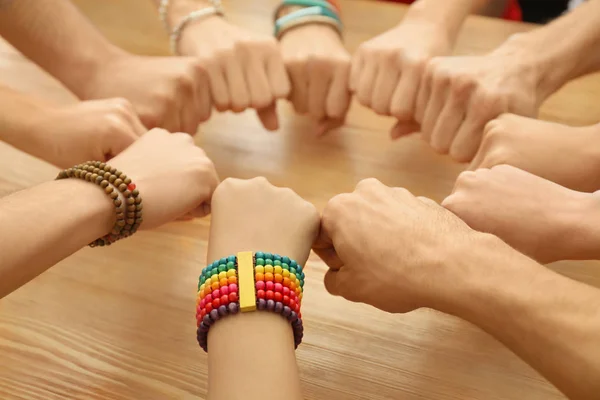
pixel 113 181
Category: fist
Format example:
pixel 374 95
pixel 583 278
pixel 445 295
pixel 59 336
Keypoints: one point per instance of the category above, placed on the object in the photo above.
pixel 173 175
pixel 458 96
pixel 253 215
pixel 533 215
pixel 387 70
pixel 388 248
pixel 245 69
pixel 562 154
pixel 166 92
pixel 90 130
pixel 319 68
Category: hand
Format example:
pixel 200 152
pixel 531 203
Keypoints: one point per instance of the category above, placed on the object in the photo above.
pixel 245 68
pixel 387 70
pixel 319 68
pixel 458 96
pixel 253 215
pixel 173 175
pixel 90 130
pixel 167 92
pixel 533 215
pixel 389 249
pixel 566 155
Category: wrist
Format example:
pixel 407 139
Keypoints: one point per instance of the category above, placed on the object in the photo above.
pixel 582 228
pixel 441 20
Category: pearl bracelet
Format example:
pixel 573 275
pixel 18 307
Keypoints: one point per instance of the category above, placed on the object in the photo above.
pixel 175 34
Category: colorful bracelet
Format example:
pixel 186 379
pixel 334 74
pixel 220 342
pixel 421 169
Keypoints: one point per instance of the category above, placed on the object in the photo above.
pixel 248 282
pixel 128 210
pixel 302 3
pixel 315 14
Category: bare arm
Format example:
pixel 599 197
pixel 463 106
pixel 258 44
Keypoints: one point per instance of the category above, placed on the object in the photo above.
pixel 57 37
pixel 550 321
pixel 44 224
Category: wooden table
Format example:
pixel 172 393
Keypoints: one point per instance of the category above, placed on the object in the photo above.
pixel 118 323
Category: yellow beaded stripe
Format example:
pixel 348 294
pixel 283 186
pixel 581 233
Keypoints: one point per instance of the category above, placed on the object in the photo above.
pixel 246 281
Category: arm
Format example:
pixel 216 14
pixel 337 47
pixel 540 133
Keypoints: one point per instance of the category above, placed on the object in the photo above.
pixel 548 320
pixel 564 49
pixel 47 223
pixel 243 347
pixel 32 27
pixel 44 224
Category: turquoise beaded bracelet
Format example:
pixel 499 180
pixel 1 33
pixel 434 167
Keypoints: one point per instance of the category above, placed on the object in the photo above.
pixel 315 14
pixel 275 284
pixel 303 3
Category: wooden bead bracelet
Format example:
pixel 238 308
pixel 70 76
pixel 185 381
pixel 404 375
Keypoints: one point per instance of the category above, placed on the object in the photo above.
pixel 128 205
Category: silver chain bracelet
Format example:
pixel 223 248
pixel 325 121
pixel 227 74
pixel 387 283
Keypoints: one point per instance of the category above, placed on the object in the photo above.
pixel 175 34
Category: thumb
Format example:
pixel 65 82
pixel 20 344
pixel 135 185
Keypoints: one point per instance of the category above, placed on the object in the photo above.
pixel 118 141
pixel 268 117
pixel 404 128
pixel 327 124
pixel 332 283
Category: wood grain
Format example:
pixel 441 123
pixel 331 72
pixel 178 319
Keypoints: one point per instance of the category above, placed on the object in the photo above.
pixel 118 323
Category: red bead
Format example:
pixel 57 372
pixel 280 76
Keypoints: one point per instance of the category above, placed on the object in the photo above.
pixel 198 322
pixel 208 298
pixel 278 287
pixel 270 295
pixel 292 304
pixel 286 291
pixel 131 187
pixel 203 313
pixel 233 297
pixel 224 290
pixel 297 309
pixel 208 308
pixel 216 303
pixel 260 285
pixel 233 288
pixel 278 297
pixel 269 285
pixel 286 300
pixel 198 310
pixel 216 294
pixel 260 294
pixel 202 303
pixel 224 300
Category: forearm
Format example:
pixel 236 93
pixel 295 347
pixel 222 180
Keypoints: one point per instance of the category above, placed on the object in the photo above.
pixel 44 224
pixel 245 348
pixel 446 15
pixel 564 49
pixel 56 36
pixel 550 321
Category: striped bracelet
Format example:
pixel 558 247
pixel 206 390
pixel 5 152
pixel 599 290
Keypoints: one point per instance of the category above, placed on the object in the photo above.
pixel 308 15
pixel 248 282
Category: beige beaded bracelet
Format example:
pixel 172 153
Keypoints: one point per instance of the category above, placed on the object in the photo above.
pixel 128 211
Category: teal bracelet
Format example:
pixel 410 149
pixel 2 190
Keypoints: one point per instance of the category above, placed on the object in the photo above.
pixel 316 11
pixel 302 3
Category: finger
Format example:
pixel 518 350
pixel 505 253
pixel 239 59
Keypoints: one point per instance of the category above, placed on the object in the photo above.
pixel 404 128
pixel 355 72
pixel 268 117
pixel 448 124
pixel 188 104
pixel 218 86
pixel 478 159
pixel 239 95
pixel 328 124
pixel 299 93
pixel 467 140
pixel 323 247
pixel 338 99
pixel 404 99
pixel 136 124
pixel 364 94
pixel 278 77
pixel 318 86
pixel 202 96
pixel 423 97
pixel 258 83
pixel 385 84
pixel 433 109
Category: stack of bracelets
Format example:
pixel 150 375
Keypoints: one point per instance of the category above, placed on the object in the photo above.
pixel 294 13
pixel 122 191
pixel 249 282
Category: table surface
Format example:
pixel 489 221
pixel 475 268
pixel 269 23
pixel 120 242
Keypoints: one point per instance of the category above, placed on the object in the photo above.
pixel 118 322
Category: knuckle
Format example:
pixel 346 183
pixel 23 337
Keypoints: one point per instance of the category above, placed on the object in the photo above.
pixel 122 106
pixel 368 183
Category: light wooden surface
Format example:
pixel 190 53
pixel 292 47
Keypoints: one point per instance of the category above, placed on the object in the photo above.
pixel 118 323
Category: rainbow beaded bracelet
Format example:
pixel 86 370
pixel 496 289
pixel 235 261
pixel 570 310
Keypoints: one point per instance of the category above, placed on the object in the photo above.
pixel 262 281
